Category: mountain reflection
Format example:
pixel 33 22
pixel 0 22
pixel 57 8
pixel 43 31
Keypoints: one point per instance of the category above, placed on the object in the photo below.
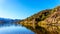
pixel 14 29
pixel 51 29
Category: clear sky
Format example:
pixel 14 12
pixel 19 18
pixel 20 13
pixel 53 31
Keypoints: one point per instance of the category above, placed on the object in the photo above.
pixel 20 9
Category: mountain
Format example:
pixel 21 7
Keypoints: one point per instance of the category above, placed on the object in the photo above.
pixel 8 21
pixel 48 19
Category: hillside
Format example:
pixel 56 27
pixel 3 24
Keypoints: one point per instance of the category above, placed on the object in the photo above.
pixel 48 19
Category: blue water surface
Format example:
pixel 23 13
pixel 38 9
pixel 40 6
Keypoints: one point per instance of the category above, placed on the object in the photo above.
pixel 12 29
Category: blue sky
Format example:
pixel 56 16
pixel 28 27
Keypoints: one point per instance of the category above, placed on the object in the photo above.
pixel 21 9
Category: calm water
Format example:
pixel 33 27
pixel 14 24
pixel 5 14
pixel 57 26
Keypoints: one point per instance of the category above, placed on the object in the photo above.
pixel 13 29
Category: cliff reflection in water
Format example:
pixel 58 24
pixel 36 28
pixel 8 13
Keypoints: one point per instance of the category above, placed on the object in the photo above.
pixel 51 29
pixel 38 30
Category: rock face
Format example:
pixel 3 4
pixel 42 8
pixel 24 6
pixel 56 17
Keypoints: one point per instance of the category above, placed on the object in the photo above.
pixel 48 19
pixel 53 22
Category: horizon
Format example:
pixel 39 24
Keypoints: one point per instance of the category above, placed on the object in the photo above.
pixel 21 9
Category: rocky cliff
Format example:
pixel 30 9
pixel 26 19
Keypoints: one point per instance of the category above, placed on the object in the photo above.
pixel 49 19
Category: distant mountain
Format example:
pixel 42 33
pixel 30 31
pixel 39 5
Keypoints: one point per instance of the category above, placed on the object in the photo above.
pixel 8 21
pixel 49 19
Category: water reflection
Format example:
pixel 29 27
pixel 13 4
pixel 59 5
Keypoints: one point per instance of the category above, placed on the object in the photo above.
pixel 18 29
pixel 13 29
pixel 38 30
pixel 48 29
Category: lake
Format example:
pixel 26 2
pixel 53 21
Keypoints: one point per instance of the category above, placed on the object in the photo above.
pixel 13 29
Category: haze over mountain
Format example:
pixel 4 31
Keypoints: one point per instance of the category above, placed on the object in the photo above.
pixel 8 22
